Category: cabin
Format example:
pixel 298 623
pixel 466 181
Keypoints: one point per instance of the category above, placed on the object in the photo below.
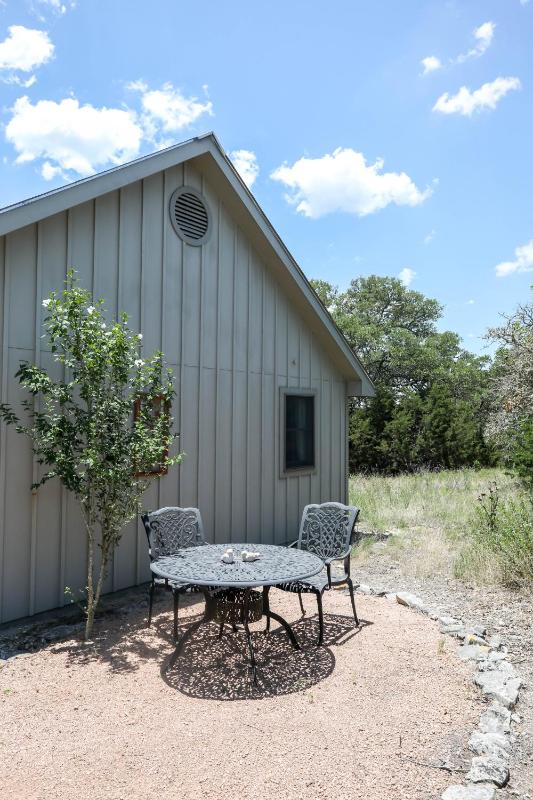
pixel 262 374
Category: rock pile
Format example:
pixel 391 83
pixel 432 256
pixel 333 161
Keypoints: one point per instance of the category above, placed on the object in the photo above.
pixel 495 676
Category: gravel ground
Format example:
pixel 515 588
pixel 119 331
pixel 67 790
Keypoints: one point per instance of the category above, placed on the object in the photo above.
pixel 373 714
pixel 504 612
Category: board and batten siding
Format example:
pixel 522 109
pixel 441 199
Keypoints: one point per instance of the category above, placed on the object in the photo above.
pixel 232 338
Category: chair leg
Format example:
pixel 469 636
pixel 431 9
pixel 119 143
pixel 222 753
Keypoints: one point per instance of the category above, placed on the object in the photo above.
pixel 301 603
pixel 176 610
pixel 151 601
pixel 352 598
pixel 220 630
pixel 320 619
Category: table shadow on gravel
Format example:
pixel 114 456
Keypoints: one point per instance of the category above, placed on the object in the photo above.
pixel 217 669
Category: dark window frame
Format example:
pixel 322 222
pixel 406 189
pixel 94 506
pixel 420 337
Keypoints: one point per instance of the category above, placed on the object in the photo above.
pixel 308 469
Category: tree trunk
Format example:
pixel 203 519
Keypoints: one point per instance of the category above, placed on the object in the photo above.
pixel 94 593
pixel 90 589
pixel 90 572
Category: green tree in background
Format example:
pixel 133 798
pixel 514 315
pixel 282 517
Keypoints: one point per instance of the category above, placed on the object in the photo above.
pixel 510 421
pixel 431 394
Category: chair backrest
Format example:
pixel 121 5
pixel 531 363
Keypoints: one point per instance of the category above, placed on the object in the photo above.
pixel 169 529
pixel 327 529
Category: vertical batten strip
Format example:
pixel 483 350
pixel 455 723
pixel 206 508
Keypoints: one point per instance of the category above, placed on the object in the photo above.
pixel 140 533
pixel 63 499
pixel 261 401
pixel 276 432
pixel 36 404
pixel 162 296
pixel 233 379
pixel 114 567
pixel 346 447
pixel 217 364
pixel 5 275
pixel 200 364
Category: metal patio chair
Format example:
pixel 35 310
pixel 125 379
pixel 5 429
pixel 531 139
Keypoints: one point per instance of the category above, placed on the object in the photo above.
pixel 168 530
pixel 326 530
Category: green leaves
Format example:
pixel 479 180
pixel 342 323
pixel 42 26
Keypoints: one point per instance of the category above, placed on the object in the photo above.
pixel 431 394
pixel 81 413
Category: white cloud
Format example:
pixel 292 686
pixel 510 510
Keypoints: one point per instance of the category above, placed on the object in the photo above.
pixel 466 102
pixel 343 181
pixel 430 64
pixel 523 261
pixel 470 302
pixel 168 109
pixel 58 7
pixel 483 35
pixel 48 171
pixel 72 137
pixel 245 162
pixel 25 49
pixel 406 276
pixel 430 236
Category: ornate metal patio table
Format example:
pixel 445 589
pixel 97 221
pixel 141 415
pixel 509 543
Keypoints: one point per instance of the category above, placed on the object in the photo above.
pixel 202 567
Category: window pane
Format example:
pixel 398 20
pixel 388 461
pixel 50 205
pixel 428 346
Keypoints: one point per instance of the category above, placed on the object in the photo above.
pixel 299 431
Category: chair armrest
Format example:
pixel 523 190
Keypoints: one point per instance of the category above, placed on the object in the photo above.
pixel 293 544
pixel 342 557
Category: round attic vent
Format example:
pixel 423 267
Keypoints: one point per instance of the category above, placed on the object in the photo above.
pixel 189 215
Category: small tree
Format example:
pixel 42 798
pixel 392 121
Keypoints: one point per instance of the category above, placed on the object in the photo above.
pixel 105 428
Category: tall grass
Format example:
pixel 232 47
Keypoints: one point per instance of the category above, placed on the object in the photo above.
pixel 434 517
pixel 505 530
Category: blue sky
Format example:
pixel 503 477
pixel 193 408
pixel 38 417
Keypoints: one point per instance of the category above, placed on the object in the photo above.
pixel 380 137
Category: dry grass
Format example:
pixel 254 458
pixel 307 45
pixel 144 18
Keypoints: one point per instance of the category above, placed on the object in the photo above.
pixel 430 515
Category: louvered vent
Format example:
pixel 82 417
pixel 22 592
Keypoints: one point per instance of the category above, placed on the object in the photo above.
pixel 189 215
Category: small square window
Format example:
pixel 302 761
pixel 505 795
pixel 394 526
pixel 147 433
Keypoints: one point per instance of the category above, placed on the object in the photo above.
pixel 299 432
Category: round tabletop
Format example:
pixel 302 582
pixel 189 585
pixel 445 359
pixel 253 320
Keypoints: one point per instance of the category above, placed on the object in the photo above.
pixel 202 566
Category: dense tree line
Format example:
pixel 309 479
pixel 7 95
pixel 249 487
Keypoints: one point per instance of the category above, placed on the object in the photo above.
pixel 432 396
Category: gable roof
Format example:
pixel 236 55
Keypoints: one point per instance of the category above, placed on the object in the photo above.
pixel 208 151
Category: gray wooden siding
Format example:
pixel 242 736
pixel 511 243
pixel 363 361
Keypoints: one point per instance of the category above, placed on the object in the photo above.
pixel 232 339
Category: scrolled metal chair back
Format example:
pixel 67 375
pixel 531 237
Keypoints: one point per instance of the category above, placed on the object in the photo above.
pixel 326 529
pixel 172 528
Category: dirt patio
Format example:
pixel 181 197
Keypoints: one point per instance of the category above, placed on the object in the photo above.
pixel 372 714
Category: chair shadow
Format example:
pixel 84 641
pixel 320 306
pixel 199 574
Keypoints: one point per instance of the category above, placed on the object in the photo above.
pixel 218 669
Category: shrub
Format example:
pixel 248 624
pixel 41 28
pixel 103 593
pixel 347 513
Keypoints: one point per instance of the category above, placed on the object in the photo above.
pixel 102 428
pixel 503 529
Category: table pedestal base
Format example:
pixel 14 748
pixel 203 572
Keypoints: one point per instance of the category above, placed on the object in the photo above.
pixel 210 615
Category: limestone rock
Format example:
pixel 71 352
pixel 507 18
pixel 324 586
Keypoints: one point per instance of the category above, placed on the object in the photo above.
pixel 491 744
pixel 498 686
pixel 411 601
pixel 473 652
pixel 469 793
pixel 487 769
pixel 477 630
pixel 496 719
pixel 447 621
pixel 457 630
